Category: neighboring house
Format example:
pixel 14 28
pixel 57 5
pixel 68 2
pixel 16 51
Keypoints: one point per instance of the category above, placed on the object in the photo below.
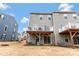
pixel 40 30
pixel 54 28
pixel 66 28
pixel 8 28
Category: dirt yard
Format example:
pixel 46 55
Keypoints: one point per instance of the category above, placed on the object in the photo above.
pixel 17 49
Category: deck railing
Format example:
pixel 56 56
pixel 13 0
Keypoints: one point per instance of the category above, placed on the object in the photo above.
pixel 69 26
pixel 40 28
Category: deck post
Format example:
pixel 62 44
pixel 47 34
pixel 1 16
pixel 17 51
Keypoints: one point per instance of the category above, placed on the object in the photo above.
pixel 39 39
pixel 50 39
pixel 71 37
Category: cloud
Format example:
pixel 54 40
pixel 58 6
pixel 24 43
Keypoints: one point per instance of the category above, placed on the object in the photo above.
pixel 24 29
pixel 24 20
pixel 65 7
pixel 12 14
pixel 4 6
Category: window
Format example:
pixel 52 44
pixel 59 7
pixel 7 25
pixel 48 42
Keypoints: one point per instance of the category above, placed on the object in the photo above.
pixel 15 25
pixel 74 15
pixel 66 40
pixel 1 16
pixel 49 17
pixel 46 40
pixel 14 29
pixel 65 16
pixel 35 27
pixel 13 36
pixel 41 17
pixel 5 28
pixel 39 28
pixel 29 28
pixel 3 36
pixel 61 25
pixel 46 27
pixel 78 14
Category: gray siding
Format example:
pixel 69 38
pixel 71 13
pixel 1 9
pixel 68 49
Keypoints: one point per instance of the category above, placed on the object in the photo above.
pixel 10 22
pixel 58 20
pixel 35 20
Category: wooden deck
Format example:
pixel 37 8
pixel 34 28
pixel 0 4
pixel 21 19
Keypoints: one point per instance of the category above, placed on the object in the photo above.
pixel 41 32
pixel 72 33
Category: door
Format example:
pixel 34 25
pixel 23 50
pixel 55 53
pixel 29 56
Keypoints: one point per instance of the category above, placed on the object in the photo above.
pixel 13 37
pixel 76 40
pixel 37 40
pixel 3 37
pixel 46 40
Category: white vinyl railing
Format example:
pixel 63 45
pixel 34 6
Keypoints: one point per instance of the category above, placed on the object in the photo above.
pixel 69 26
pixel 34 28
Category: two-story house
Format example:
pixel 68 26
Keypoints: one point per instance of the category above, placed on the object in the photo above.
pixel 8 28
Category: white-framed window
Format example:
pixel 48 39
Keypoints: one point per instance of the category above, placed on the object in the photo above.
pixel 35 27
pixel 5 28
pixel 1 16
pixel 14 29
pixel 78 14
pixel 74 16
pixel 61 25
pixel 40 17
pixel 49 17
pixel 65 16
pixel 13 36
pixel 15 25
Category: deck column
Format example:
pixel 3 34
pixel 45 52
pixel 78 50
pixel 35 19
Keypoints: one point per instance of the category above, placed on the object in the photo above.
pixel 72 43
pixel 72 33
pixel 71 37
pixel 50 39
pixel 39 39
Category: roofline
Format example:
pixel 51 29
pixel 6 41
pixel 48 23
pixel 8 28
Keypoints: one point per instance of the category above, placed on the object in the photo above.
pixel 10 16
pixel 44 13
pixel 6 14
pixel 61 12
pixel 65 12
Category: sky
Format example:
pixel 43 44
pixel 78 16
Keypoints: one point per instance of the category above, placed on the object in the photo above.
pixel 21 11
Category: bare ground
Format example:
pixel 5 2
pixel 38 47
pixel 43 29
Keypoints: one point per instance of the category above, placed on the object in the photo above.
pixel 17 49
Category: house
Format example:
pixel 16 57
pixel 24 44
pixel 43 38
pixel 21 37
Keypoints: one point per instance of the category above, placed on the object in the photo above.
pixel 40 30
pixel 54 28
pixel 8 28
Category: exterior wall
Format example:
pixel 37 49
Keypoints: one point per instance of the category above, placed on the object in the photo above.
pixel 33 40
pixel 59 21
pixel 35 20
pixel 12 27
